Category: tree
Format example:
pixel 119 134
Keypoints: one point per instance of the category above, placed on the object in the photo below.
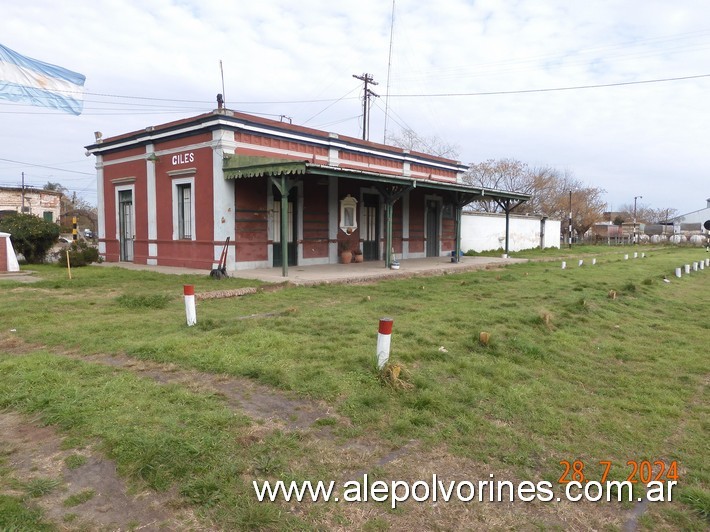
pixel 647 214
pixel 30 235
pixel 548 187
pixel 502 174
pixel 408 139
pixel 55 187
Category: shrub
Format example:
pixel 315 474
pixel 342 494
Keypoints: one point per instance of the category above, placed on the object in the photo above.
pixel 31 236
pixel 80 254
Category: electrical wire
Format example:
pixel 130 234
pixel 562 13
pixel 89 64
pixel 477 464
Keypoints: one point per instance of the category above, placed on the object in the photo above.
pixel 331 105
pixel 552 89
pixel 45 166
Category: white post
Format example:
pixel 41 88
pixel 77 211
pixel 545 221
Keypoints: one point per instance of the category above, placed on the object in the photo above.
pixel 191 314
pixel 677 272
pixel 384 335
pixel 564 265
pixel 594 261
pixel 581 261
pixel 643 255
pixel 626 257
pixel 695 266
pixel 687 268
pixel 636 255
pixel 702 264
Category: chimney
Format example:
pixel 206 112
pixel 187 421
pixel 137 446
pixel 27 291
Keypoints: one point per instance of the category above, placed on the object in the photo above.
pixel 220 101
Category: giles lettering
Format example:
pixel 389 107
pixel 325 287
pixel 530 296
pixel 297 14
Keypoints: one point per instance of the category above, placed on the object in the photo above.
pixel 183 158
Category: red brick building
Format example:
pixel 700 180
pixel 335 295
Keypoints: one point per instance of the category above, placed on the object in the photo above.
pixel 172 194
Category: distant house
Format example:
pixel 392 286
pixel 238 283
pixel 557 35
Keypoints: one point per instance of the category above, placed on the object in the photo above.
pixel 606 231
pixel 43 203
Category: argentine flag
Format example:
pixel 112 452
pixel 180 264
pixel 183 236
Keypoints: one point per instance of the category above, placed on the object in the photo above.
pixel 23 79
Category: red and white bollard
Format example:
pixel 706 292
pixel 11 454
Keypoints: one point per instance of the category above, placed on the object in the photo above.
pixel 384 334
pixel 189 291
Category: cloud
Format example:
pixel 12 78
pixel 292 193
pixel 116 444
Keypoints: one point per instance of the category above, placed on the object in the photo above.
pixel 642 139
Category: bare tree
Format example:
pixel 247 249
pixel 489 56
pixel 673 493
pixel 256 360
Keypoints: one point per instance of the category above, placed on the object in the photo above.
pixel 647 214
pixel 548 187
pixel 501 174
pixel 432 145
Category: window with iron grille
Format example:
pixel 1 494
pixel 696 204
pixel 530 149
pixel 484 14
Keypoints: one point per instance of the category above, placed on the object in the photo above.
pixel 184 211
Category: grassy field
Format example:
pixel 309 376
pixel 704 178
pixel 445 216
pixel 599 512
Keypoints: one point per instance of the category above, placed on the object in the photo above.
pixel 603 363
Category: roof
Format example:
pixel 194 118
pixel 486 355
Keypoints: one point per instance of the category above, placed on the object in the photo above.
pixel 225 118
pixel 32 190
pixel 241 166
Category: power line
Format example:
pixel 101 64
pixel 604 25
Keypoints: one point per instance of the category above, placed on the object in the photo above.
pixel 553 89
pixel 44 166
pixel 344 97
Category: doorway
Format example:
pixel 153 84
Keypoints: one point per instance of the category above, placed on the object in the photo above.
pixel 432 228
pixel 125 225
pixel 276 224
pixel 371 227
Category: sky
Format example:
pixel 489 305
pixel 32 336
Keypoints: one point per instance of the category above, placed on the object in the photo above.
pixel 475 74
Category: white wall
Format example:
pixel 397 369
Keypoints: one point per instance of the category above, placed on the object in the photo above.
pixel 484 232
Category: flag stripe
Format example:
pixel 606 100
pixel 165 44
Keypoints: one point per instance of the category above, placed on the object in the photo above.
pixel 38 83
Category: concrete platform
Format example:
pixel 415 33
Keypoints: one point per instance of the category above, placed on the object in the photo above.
pixel 23 276
pixel 340 273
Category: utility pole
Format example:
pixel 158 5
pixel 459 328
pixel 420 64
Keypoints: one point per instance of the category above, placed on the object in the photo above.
pixel 635 198
pixel 367 79
pixel 22 210
pixel 570 219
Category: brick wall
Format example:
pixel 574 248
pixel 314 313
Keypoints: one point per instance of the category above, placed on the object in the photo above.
pixel 3 254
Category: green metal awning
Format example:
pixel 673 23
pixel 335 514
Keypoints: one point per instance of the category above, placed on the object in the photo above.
pixel 238 166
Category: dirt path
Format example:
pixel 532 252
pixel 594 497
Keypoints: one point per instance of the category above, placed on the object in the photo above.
pixel 36 451
pixel 35 454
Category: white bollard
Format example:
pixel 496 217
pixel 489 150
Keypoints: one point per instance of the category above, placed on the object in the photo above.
pixel 636 255
pixel 707 262
pixel 687 268
pixel 643 255
pixel 594 261
pixel 581 261
pixel 677 272
pixel 384 335
pixel 190 313
pixel 695 266
pixel 564 265
pixel 626 257
pixel 702 264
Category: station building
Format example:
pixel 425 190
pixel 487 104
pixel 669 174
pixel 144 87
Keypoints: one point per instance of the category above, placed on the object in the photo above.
pixel 275 194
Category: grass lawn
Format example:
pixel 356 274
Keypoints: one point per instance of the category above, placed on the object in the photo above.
pixel 604 363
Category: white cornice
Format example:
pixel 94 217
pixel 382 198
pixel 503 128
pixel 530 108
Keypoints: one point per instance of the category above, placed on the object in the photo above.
pixel 329 142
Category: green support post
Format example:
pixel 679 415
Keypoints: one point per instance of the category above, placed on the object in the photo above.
pixel 284 227
pixel 507 226
pixel 457 248
pixel 388 233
